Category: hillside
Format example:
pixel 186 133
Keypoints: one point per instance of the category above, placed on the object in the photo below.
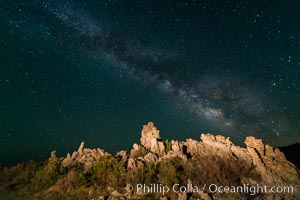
pixel 212 168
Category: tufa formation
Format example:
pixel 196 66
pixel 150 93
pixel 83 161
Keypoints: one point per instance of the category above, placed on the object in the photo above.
pixel 212 160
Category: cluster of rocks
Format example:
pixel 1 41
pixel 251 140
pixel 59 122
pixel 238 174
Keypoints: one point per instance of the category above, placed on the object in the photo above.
pixel 83 156
pixel 268 162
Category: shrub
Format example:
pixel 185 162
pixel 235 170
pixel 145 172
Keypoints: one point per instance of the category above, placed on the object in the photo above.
pixel 46 176
pixel 106 172
pixel 171 171
pixel 143 174
pixel 16 177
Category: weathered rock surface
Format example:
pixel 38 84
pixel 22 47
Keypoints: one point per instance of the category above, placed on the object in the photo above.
pixel 83 156
pixel 268 163
pixel 151 139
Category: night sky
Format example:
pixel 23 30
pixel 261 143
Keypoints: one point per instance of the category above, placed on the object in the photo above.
pixel 96 71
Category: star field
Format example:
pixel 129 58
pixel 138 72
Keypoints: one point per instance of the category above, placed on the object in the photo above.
pixel 97 71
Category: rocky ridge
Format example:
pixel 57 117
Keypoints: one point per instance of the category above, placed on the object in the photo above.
pixel 261 163
pixel 83 156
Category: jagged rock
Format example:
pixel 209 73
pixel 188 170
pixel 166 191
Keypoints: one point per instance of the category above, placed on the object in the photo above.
pixel 149 131
pixel 203 196
pixel 151 139
pixel 163 198
pixel 83 156
pixel 74 155
pixel 80 148
pixel 134 164
pixel 254 143
pixel 182 196
pixel 135 149
pixel 265 164
pixel 150 158
pixel 272 164
pixel 115 195
pixel 122 155
pixel 53 155
pixel 99 198
pixel 67 161
pixel 176 147
pixel 192 147
pixel 177 150
pixel 216 140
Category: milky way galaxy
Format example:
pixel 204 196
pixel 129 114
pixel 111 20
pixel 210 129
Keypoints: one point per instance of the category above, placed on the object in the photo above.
pixel 98 71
